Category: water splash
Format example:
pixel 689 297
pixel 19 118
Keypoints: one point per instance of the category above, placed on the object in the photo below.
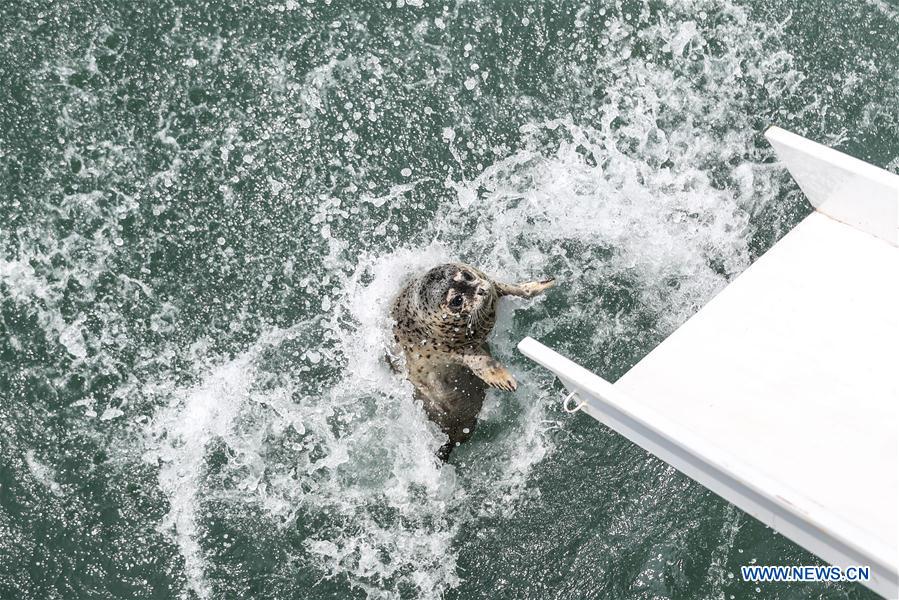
pixel 199 261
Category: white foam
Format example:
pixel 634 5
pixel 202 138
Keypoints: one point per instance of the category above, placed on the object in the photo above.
pixel 182 431
pixel 627 195
pixel 111 413
pixel 43 473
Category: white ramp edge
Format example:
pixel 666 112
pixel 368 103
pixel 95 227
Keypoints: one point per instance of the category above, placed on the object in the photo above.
pixel 842 187
pixel 781 395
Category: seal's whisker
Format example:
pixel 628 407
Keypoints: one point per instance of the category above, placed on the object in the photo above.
pixel 474 317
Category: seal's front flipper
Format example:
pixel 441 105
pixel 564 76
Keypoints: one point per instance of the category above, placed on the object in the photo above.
pixel 525 290
pixel 490 371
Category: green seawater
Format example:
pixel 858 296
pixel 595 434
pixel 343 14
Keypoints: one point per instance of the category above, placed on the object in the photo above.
pixel 206 207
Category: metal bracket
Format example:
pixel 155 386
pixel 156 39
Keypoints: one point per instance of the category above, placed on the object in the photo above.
pixel 565 403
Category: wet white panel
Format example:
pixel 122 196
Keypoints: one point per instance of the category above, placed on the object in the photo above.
pixel 794 369
pixel 782 394
pixel 840 186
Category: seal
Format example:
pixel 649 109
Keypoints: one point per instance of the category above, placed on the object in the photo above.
pixel 443 318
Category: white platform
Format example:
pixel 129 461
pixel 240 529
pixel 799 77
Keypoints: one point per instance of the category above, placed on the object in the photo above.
pixel 782 394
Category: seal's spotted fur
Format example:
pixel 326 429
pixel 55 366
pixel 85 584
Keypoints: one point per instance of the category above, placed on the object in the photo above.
pixel 443 319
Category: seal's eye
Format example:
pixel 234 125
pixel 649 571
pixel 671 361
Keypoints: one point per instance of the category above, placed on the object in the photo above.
pixel 456 302
pixel 467 276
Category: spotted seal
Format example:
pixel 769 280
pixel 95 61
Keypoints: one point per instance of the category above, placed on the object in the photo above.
pixel 442 320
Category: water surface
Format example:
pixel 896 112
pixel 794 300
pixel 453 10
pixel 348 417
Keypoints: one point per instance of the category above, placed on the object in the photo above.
pixel 205 212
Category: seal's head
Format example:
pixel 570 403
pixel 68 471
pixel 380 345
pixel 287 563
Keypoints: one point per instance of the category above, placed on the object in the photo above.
pixel 457 293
